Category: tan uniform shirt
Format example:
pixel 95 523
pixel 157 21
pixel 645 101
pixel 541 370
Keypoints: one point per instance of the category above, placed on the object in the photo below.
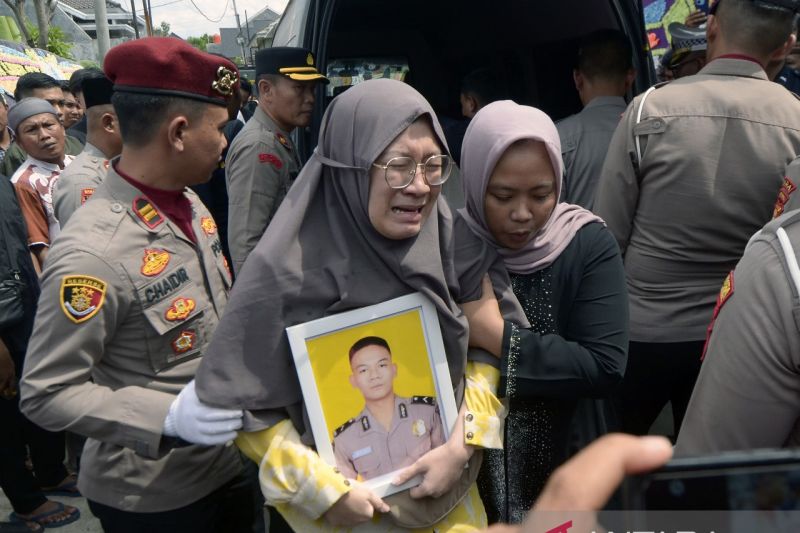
pixel 363 446
pixel 714 149
pixel 584 144
pixel 748 393
pixel 128 305
pixel 261 165
pixel 78 182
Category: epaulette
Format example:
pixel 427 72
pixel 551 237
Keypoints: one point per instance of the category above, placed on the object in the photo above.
pixel 427 400
pixel 338 431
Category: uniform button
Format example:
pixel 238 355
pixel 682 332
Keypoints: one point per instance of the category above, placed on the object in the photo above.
pixel 469 417
pixel 657 123
pixel 116 208
pixel 470 435
pixel 336 470
pixel 347 482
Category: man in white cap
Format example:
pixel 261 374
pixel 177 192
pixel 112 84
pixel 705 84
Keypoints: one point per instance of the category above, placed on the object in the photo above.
pixel 689 47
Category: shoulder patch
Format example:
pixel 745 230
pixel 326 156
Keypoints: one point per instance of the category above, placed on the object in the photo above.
pixel 784 193
pixel 82 296
pixel 272 159
pixel 338 431
pixel 725 294
pixel 208 225
pixel 427 400
pixel 147 212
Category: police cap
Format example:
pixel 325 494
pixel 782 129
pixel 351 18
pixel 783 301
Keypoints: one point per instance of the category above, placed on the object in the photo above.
pixel 166 66
pixel 292 62
pixel 97 91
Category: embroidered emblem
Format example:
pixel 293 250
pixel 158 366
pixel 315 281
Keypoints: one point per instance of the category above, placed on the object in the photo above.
pixel 365 423
pixel 147 212
pixel 208 225
pixel 418 428
pixel 785 192
pixel 227 266
pixel 86 194
pixel 154 262
pixel 283 140
pixel 724 295
pixel 82 297
pixel 344 426
pixel 310 60
pixel 403 410
pixel 184 342
pixel 180 309
pixel 225 81
pixel 272 159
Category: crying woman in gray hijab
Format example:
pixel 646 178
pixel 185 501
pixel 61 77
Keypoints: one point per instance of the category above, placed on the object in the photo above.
pixel 364 223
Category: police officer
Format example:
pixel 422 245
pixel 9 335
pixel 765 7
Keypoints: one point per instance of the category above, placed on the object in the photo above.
pixel 391 432
pixel 749 384
pixel 262 161
pixel 103 142
pixel 131 295
pixel 692 172
pixel 689 47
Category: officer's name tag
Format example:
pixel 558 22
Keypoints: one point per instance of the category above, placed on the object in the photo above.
pixel 361 453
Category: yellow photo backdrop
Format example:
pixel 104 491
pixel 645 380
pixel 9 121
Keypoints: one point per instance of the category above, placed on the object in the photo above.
pixel 330 363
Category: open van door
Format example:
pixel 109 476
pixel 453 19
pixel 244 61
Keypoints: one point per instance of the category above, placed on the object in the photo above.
pixel 432 44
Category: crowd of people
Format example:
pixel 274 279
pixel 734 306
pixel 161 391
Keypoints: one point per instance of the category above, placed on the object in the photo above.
pixel 161 230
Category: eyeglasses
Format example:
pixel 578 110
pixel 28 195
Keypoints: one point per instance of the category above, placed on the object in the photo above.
pixel 400 171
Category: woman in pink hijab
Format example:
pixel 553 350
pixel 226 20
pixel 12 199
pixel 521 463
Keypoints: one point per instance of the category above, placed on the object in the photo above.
pixel 567 273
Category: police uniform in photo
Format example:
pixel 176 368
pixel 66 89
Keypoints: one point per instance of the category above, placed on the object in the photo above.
pixel 364 448
pixel 262 161
pixel 80 179
pixel 748 393
pixel 129 302
pixel 691 174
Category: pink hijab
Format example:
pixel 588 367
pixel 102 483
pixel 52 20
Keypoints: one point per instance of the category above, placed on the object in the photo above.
pixel 496 127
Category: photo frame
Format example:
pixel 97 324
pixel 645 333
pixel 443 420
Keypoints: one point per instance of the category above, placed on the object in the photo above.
pixel 376 382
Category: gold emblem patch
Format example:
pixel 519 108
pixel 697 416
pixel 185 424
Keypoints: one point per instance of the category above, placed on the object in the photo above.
pixel 225 81
pixel 310 59
pixel 208 225
pixel 86 194
pixel 418 428
pixel 154 262
pixel 184 342
pixel 180 309
pixel 82 297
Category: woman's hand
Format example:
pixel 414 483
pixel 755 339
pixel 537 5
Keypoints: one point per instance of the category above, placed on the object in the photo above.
pixel 696 18
pixel 355 507
pixel 485 320
pixel 441 467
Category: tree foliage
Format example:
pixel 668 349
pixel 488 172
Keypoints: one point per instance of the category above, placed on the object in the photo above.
pixel 45 9
pixel 201 42
pixel 56 41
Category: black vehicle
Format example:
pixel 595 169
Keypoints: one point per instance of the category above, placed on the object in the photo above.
pixel 432 44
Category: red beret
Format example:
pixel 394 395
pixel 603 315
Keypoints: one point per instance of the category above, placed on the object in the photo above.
pixel 167 66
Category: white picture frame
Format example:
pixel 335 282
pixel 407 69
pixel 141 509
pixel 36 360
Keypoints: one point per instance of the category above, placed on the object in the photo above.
pixel 409 324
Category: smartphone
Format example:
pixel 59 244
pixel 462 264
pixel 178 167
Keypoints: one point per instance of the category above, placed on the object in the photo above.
pixel 761 480
pixel 701 5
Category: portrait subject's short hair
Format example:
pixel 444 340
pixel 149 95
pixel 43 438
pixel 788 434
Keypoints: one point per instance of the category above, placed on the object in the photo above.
pixel 369 341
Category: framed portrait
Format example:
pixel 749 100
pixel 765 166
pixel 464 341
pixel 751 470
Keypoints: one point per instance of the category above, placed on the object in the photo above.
pixel 377 388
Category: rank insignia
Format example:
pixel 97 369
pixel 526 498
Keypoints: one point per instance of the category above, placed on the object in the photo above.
pixel 86 194
pixel 310 60
pixel 272 159
pixel 418 428
pixel 365 423
pixel 154 262
pixel 180 309
pixel 786 190
pixel 185 342
pixel 724 295
pixel 82 297
pixel 403 410
pixel 283 140
pixel 208 225
pixel 147 212
pixel 225 81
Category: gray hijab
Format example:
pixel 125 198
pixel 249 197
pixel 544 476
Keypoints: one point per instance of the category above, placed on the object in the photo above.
pixel 321 256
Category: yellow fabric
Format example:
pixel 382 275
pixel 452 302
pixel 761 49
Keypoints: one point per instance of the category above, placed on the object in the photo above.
pixel 483 425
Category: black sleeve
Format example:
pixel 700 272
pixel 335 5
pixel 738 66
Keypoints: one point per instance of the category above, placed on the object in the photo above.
pixel 589 359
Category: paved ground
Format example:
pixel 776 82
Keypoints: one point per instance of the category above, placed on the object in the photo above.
pixel 86 524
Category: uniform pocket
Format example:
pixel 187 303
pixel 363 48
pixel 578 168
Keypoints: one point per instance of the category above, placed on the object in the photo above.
pixel 367 465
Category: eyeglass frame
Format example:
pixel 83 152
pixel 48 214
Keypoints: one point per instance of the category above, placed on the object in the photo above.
pixel 417 166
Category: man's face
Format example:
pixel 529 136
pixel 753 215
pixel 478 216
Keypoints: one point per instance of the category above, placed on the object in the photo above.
pixel 3 117
pixel 42 136
pixel 373 372
pixel 204 141
pixel 289 102
pixel 73 111
pixel 55 96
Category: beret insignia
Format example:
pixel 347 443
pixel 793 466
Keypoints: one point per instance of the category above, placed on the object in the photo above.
pixel 225 81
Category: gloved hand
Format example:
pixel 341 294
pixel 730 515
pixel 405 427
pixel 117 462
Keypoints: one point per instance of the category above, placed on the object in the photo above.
pixel 194 421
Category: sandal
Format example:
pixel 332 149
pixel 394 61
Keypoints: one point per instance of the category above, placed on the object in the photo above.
pixel 20 527
pixel 67 488
pixel 48 519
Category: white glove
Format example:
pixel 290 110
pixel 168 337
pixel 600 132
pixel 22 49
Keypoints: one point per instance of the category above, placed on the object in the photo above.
pixel 194 421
